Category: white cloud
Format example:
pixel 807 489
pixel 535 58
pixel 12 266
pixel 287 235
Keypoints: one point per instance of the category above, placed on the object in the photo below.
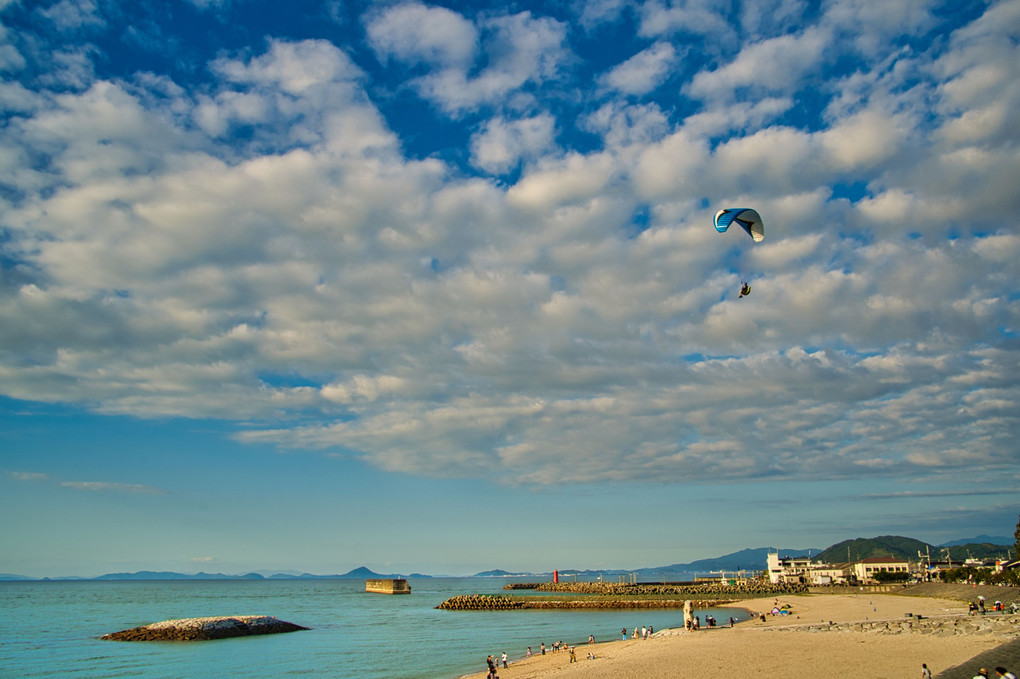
pixel 644 71
pixel 293 67
pixel 502 143
pixel 706 17
pixel 574 178
pixel 29 476
pixel 104 486
pixel 871 26
pixel 520 49
pixel 412 32
pixel 72 15
pixel 772 65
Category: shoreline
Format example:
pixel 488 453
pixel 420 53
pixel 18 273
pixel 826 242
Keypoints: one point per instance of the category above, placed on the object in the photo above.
pixel 838 635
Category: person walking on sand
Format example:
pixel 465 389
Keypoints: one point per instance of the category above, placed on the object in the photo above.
pixel 503 658
pixel 573 657
pixel 925 672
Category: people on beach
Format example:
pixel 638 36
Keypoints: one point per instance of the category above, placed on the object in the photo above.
pixel 925 672
pixel 528 654
pixel 981 674
pixel 624 633
pixel 543 648
pixel 573 656
pixel 1004 673
pixel 503 658
pixel 591 638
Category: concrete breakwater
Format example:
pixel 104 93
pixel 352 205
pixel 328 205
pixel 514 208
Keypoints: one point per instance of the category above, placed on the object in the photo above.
pixel 201 629
pixel 487 602
pixel 1002 626
pixel 743 591
pixel 616 595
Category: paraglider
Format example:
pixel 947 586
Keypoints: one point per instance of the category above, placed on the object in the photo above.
pixel 750 221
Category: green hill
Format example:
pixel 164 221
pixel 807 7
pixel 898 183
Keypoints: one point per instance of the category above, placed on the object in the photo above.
pixel 907 548
pixel 886 545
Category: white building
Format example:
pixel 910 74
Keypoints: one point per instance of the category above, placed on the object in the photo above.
pixel 866 569
pixel 801 570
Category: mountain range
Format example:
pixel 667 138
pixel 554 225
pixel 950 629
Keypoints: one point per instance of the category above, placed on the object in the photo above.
pixel 752 559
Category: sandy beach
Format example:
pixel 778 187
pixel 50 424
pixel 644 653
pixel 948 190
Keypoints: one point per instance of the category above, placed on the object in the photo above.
pixel 777 646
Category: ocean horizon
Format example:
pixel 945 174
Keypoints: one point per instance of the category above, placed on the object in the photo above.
pixel 53 627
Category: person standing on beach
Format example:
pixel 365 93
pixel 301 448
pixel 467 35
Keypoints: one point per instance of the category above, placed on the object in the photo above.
pixel 503 658
pixel 925 672
pixel 543 648
pixel 624 633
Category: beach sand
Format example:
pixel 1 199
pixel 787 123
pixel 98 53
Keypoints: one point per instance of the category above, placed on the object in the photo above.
pixel 752 650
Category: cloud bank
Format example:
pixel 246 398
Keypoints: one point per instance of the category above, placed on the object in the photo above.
pixel 543 301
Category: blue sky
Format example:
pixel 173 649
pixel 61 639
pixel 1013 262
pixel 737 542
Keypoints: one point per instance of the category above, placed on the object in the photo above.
pixel 434 287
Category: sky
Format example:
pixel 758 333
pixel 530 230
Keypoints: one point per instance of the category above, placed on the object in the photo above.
pixel 434 287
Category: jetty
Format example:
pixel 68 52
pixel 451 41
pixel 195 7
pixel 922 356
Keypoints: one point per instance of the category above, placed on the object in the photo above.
pixel 388 586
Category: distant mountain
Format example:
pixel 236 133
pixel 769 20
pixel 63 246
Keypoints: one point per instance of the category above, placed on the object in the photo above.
pixel 500 574
pixel 360 573
pixel 744 560
pixel 981 540
pixel 167 575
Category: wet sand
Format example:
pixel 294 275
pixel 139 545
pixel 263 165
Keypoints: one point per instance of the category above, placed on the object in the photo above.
pixel 752 649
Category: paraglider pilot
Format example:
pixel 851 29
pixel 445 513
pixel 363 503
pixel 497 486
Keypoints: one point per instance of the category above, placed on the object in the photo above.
pixel 745 289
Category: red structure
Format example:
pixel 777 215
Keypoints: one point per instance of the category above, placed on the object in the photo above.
pixel 556 576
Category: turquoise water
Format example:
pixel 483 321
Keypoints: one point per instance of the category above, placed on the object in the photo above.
pixel 52 628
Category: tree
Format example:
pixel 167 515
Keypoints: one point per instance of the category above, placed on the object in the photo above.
pixel 1016 545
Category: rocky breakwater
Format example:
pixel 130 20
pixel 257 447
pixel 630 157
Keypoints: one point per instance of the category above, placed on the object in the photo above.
pixel 998 626
pixel 481 602
pixel 705 591
pixel 201 629
pixel 487 602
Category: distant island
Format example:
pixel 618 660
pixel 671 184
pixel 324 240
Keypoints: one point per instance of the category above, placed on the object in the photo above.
pixel 752 559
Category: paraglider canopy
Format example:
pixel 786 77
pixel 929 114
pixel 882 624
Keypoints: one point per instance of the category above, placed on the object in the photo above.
pixel 748 219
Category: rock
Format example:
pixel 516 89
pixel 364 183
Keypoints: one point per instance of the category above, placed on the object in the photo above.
pixel 201 629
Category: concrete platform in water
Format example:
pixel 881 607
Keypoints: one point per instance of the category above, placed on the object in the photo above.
pixel 388 586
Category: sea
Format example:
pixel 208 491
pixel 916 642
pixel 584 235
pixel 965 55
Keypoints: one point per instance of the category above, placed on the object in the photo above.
pixel 52 629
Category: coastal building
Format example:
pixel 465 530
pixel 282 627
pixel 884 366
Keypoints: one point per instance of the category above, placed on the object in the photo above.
pixel 865 570
pixel 802 570
pixel 786 568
